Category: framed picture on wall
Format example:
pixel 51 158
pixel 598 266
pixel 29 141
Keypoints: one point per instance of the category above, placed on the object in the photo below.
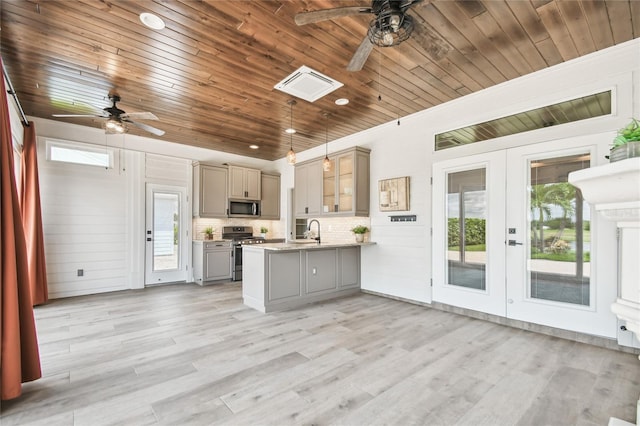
pixel 393 194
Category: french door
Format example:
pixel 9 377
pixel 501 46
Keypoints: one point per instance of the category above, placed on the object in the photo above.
pixel 166 237
pixel 513 238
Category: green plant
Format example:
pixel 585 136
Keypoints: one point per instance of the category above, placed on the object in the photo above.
pixel 360 229
pixel 263 230
pixel 208 230
pixel 474 231
pixel 630 133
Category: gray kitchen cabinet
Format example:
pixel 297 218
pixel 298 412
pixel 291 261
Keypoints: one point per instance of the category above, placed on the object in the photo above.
pixel 345 187
pixel 212 261
pixel 308 189
pixel 284 276
pixel 349 267
pixel 209 191
pixel 270 203
pixel 321 269
pixel 244 183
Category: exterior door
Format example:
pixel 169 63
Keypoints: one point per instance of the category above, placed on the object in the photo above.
pixel 513 238
pixel 165 234
pixel 468 223
pixel 550 241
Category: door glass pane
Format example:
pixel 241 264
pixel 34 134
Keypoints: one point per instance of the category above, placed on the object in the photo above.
pixel 559 226
pixel 166 228
pixel 466 222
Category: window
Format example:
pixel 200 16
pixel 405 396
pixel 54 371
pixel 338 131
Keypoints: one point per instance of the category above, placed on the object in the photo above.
pixel 76 153
pixel 578 109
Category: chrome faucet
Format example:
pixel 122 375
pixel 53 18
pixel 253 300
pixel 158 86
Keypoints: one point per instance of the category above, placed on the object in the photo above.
pixel 309 229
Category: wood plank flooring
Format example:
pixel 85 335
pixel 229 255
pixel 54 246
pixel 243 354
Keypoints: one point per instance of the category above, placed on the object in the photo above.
pixel 190 355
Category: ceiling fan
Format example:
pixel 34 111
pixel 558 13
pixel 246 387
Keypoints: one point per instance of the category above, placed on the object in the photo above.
pixel 391 25
pixel 118 118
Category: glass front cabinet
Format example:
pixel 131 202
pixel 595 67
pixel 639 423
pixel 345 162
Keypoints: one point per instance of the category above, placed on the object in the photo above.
pixel 345 186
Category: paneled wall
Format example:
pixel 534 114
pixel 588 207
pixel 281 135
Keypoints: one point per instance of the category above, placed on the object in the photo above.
pixel 84 214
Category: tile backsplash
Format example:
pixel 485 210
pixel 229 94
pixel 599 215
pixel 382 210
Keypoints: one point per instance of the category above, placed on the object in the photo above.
pixel 276 228
pixel 332 229
pixel 338 229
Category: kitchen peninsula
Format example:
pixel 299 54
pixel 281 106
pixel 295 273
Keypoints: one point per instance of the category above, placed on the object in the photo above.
pixel 287 275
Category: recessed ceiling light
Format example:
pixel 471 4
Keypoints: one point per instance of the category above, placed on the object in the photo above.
pixel 152 21
pixel 342 101
pixel 290 131
pixel 254 146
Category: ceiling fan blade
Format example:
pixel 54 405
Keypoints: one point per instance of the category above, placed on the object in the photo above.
pixel 139 115
pixel 78 115
pixel 361 55
pixel 305 18
pixel 146 127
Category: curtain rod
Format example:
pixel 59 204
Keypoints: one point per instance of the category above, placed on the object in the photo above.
pixel 13 93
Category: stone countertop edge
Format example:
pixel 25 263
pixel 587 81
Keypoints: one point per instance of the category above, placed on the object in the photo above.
pixel 305 246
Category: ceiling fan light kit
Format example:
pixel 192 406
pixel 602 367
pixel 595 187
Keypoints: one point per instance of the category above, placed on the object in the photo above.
pixel 390 31
pixel 114 126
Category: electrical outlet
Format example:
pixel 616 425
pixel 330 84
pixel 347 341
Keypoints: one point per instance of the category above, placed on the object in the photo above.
pixel 80 272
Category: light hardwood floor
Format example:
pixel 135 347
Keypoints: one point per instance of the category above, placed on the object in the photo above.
pixel 184 354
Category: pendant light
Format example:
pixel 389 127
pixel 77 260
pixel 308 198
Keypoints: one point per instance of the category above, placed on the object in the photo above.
pixel 291 155
pixel 326 163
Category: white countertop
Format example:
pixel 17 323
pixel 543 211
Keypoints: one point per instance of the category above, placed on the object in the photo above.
pixel 304 245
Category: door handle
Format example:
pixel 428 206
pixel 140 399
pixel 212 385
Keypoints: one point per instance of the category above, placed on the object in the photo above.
pixel 514 243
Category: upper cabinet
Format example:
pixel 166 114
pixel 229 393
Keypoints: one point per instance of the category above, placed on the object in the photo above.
pixel 244 183
pixel 345 187
pixel 210 191
pixel 341 191
pixel 270 203
pixel 308 189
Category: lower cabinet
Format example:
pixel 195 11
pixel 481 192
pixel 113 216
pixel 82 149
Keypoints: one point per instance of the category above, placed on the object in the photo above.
pixel 284 276
pixel 321 268
pixel 349 267
pixel 212 261
pixel 283 279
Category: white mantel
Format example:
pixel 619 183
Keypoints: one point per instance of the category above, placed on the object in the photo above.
pixel 614 190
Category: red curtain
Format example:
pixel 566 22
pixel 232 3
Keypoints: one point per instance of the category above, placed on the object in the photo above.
pixel 19 357
pixel 32 217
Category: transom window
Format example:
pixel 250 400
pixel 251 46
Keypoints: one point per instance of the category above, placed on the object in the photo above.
pixel 77 153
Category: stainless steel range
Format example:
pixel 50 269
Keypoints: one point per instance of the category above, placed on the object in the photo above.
pixel 239 235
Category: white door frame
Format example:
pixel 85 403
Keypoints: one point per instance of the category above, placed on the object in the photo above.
pixel 492 299
pixel 507 172
pixel 596 318
pixel 179 274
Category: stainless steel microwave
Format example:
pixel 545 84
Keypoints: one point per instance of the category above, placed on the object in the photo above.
pixel 243 208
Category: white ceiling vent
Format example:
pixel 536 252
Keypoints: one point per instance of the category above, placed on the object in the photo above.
pixel 308 84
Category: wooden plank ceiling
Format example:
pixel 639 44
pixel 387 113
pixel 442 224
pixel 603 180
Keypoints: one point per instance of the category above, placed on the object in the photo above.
pixel 209 75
